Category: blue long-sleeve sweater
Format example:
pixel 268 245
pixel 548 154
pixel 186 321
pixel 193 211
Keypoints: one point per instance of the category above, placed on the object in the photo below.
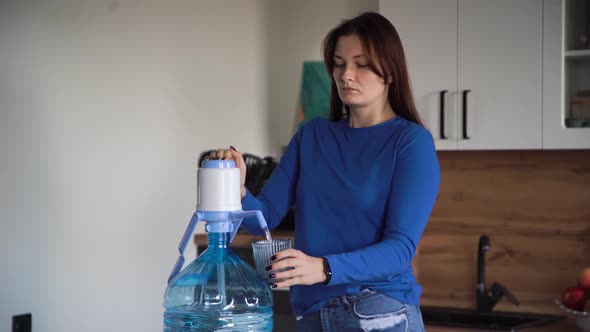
pixel 362 199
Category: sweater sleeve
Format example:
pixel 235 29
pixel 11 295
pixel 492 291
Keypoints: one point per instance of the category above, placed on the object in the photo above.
pixel 413 191
pixel 278 193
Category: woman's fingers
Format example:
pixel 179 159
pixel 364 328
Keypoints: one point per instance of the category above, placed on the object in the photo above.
pixel 300 269
pixel 299 280
pixel 220 154
pixel 238 158
pixel 227 154
pixel 288 253
pixel 290 273
pixel 286 258
pixel 231 154
pixel 285 263
pixel 240 163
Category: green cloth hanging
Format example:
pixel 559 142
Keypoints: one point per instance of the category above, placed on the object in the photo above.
pixel 314 99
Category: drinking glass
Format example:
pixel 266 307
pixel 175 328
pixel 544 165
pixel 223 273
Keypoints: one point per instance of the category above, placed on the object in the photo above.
pixel 263 250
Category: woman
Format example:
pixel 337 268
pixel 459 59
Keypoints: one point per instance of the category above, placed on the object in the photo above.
pixel 363 184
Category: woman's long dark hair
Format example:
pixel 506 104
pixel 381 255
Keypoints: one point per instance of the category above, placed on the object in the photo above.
pixel 384 49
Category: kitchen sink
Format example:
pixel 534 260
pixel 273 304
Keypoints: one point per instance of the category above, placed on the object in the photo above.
pixel 496 321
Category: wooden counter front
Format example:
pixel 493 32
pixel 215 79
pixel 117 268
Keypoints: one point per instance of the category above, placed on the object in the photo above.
pixel 243 240
pixel 566 325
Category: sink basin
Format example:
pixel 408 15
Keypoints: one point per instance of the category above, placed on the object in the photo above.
pixel 495 320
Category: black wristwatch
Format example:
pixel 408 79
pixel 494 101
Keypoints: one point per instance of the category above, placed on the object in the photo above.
pixel 327 271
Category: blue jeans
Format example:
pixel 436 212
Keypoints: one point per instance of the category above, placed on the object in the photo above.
pixel 368 311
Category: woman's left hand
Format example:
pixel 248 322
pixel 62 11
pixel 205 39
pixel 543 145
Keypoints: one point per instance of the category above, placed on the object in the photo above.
pixel 306 270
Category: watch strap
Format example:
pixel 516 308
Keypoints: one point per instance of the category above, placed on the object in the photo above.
pixel 327 271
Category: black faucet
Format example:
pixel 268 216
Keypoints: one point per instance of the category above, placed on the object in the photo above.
pixel 486 299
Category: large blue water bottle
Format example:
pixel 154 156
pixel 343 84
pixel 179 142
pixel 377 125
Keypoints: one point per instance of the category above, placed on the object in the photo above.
pixel 218 291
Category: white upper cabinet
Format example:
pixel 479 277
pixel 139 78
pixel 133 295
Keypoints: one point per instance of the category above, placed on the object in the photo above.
pixel 485 58
pixel 428 30
pixel 500 65
pixel 566 74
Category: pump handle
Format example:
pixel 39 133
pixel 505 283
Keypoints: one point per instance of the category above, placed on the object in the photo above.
pixel 236 218
pixel 183 243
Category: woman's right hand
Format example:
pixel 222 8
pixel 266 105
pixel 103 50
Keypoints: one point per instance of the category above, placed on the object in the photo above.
pixel 233 154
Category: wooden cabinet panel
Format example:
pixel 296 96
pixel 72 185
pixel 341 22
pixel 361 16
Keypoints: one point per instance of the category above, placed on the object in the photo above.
pixel 535 207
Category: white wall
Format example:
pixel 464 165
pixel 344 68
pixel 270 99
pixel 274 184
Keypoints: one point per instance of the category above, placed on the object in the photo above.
pixel 297 31
pixel 104 109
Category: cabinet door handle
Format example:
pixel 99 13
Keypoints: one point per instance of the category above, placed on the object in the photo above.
pixel 465 92
pixel 442 114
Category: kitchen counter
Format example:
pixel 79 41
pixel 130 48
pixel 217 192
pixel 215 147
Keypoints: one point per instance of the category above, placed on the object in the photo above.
pixel 566 325
pixel 243 241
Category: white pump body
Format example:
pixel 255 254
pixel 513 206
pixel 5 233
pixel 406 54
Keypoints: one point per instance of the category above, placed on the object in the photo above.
pixel 218 189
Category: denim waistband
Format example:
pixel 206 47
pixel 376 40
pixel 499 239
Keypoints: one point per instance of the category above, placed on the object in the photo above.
pixel 346 300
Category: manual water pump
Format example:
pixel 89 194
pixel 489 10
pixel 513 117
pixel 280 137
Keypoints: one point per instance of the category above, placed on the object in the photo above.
pixel 218 291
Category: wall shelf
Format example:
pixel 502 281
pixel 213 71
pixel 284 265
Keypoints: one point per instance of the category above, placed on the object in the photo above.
pixel 566 73
pixel 577 54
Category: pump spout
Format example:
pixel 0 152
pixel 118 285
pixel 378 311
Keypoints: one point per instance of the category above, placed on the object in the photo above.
pixel 248 214
pixel 238 216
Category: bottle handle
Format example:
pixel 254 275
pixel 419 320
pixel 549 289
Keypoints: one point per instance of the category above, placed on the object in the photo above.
pixel 183 244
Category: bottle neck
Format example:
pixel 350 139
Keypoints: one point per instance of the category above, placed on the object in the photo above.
pixel 218 240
